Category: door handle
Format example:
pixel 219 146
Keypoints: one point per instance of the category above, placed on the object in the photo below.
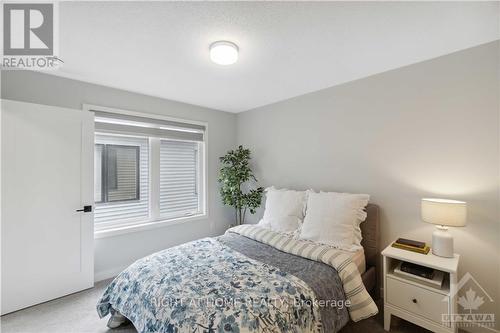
pixel 85 209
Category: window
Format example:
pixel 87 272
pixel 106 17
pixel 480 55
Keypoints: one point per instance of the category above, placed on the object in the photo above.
pixel 121 179
pixel 146 170
pixel 118 172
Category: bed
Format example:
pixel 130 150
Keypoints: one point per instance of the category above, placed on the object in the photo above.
pixel 250 279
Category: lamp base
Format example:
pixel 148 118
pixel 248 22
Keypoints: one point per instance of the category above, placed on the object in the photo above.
pixel 442 242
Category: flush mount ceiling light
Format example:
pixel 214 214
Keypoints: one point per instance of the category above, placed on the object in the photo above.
pixel 224 53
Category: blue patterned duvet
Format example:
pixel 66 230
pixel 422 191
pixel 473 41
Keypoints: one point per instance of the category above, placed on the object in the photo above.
pixel 206 286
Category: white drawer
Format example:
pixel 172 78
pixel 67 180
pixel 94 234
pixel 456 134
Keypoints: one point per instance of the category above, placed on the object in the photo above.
pixel 417 300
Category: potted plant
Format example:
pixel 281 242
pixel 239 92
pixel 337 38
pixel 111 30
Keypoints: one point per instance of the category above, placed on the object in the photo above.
pixel 235 176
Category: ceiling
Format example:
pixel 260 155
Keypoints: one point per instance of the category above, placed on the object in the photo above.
pixel 286 48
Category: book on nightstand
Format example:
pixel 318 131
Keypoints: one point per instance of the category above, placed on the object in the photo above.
pixel 411 245
pixel 426 275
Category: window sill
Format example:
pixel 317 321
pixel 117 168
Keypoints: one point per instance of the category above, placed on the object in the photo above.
pixel 147 225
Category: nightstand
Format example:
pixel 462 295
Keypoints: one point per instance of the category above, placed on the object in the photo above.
pixel 407 298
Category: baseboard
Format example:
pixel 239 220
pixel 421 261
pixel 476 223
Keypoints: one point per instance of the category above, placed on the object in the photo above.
pixel 108 274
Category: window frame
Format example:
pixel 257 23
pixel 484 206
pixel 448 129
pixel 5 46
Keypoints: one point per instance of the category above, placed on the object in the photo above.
pixel 155 220
pixel 102 172
pixel 128 222
pixel 154 181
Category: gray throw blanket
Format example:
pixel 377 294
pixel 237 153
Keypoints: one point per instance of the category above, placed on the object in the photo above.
pixel 321 278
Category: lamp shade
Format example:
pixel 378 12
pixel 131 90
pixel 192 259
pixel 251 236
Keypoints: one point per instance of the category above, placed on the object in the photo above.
pixel 444 212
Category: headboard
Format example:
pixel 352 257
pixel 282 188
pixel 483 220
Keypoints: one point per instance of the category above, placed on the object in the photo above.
pixel 370 230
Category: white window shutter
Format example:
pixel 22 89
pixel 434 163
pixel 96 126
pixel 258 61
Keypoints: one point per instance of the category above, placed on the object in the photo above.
pixel 179 178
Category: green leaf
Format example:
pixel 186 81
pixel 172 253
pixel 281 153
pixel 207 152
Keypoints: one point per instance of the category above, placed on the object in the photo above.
pixel 234 175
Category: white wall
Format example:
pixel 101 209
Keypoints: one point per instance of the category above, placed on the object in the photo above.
pixel 429 129
pixel 112 254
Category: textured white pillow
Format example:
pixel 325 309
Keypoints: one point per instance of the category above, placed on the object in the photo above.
pixel 358 237
pixel 332 218
pixel 284 209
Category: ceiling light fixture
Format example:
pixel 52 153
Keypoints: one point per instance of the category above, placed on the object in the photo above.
pixel 224 53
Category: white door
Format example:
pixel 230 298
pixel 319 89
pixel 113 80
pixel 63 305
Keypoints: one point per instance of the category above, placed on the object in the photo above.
pixel 47 175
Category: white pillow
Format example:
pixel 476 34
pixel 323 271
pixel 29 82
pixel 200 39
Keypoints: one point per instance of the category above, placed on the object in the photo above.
pixel 332 218
pixel 358 237
pixel 284 210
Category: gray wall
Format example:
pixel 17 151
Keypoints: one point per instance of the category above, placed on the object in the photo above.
pixel 115 253
pixel 429 129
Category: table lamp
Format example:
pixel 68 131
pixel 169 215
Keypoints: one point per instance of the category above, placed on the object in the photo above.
pixel 443 213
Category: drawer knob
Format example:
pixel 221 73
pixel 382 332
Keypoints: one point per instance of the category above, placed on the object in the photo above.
pixel 414 300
